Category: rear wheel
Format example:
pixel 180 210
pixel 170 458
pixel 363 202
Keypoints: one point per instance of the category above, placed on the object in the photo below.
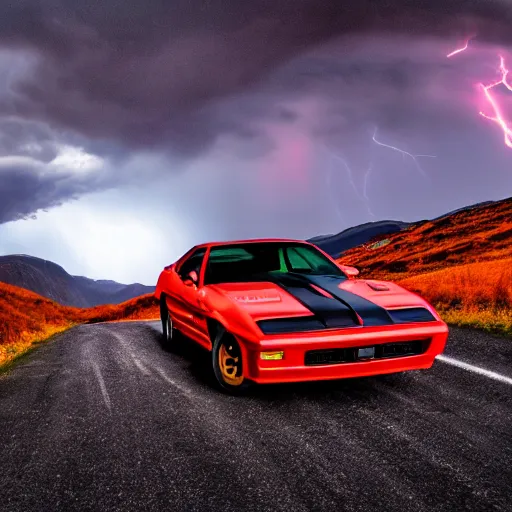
pixel 227 364
pixel 169 332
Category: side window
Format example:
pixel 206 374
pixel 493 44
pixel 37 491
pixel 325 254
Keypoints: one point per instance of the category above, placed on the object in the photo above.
pixel 307 259
pixel 297 261
pixel 318 261
pixel 193 262
pixel 228 264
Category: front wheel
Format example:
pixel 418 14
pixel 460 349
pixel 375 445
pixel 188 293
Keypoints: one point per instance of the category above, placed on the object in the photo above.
pixel 228 365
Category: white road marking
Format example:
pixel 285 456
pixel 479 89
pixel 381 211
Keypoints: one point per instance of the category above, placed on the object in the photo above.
pixel 126 350
pixel 140 366
pixel 174 383
pixel 475 369
pixel 103 388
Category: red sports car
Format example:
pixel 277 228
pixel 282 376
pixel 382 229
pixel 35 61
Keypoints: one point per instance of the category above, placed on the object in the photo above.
pixel 276 310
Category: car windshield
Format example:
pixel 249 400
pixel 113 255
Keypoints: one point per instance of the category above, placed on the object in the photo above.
pixel 252 261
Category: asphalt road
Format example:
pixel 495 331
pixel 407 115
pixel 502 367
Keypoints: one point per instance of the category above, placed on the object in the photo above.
pixel 103 418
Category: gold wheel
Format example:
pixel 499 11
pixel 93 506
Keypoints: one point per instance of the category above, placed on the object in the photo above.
pixel 230 363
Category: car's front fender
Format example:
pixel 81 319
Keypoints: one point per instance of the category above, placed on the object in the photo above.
pixel 234 319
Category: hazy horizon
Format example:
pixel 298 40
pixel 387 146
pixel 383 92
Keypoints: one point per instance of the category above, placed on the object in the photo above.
pixel 152 281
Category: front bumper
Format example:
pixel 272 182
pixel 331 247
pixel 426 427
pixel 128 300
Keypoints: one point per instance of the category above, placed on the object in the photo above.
pixel 292 368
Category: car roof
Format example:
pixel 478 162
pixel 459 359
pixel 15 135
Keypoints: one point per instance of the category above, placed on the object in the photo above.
pixel 250 241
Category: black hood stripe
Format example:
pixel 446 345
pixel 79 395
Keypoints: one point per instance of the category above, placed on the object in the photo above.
pixel 371 313
pixel 339 311
pixel 330 312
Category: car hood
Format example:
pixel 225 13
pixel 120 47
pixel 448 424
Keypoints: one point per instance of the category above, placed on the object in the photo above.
pixel 386 294
pixel 263 300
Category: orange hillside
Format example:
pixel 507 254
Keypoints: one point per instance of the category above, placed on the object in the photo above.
pixel 475 294
pixel 26 317
pixel 481 234
pixel 461 263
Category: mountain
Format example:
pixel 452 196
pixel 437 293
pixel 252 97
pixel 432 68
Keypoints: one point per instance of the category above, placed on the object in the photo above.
pixel 336 244
pixel 116 292
pixel 53 282
pixel 466 208
pixel 481 233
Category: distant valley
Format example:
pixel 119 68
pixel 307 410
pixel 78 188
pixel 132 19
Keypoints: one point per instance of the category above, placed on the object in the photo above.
pixel 53 282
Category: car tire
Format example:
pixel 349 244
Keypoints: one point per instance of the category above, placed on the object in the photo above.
pixel 169 332
pixel 227 364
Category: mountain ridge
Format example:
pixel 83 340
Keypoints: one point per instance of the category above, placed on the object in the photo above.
pixel 336 244
pixel 50 280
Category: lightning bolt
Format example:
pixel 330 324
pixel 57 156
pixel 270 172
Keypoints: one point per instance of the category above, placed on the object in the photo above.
pixel 404 153
pixel 504 72
pixel 349 172
pixel 334 200
pixel 460 50
pixel 365 188
pixel 366 178
pixel 363 198
pixel 498 117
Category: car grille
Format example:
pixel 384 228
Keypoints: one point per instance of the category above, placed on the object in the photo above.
pixel 349 355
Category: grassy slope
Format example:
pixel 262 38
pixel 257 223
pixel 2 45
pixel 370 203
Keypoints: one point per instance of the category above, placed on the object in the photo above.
pixel 27 318
pixel 461 264
pixel 475 294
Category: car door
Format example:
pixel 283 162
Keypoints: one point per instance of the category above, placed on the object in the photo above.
pixel 183 300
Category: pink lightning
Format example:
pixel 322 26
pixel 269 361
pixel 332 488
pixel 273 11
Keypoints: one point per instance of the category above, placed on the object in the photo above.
pixel 460 50
pixel 498 117
pixel 504 72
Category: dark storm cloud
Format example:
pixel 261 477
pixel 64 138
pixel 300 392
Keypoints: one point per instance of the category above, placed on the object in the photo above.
pixel 383 84
pixel 19 137
pixel 125 77
pixel 144 73
pixel 27 185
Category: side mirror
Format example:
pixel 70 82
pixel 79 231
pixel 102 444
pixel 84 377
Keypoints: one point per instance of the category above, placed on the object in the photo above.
pixel 350 271
pixel 192 279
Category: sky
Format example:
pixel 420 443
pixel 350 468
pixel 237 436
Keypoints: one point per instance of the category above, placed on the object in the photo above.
pixel 131 131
